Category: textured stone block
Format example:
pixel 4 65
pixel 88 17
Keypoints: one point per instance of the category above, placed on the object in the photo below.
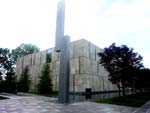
pixel 27 60
pixel 94 68
pixel 96 83
pixel 81 48
pixel 38 58
pixel 74 66
pixel 43 57
pixel 85 65
pixel 82 82
pixel 97 51
pixel 19 67
pixel 72 82
pixel 101 80
pixel 55 82
pixel 55 57
pixel 92 51
pixel 35 74
pixel 71 50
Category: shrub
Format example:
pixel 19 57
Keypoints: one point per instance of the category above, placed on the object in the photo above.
pixel 45 82
pixel 24 81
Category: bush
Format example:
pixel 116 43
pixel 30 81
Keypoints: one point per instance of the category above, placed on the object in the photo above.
pixel 45 82
pixel 24 81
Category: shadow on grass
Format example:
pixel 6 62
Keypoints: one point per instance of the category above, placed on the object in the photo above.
pixel 135 100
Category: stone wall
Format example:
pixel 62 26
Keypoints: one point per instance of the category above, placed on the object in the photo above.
pixel 86 72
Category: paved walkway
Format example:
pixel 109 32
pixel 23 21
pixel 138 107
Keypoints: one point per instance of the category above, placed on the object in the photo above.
pixel 39 104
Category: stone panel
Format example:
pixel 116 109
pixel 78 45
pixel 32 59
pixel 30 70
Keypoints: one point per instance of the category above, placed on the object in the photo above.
pixel 81 48
pixel 74 66
pixel 92 51
pixel 94 68
pixel 33 59
pixel 96 83
pixel 101 83
pixel 55 68
pixel 35 72
pixel 27 60
pixel 43 57
pixel 38 58
pixel 97 51
pixel 72 82
pixel 85 65
pixel 71 50
pixel 82 82
pixel 55 82
pixel 19 67
pixel 55 56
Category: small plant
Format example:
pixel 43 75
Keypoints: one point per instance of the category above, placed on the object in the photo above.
pixel 24 81
pixel 9 85
pixel 45 82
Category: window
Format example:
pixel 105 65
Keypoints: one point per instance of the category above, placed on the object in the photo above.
pixel 49 56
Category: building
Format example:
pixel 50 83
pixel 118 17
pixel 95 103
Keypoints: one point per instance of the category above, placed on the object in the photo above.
pixel 86 72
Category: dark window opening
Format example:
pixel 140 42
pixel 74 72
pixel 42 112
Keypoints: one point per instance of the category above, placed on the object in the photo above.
pixel 88 94
pixel 48 57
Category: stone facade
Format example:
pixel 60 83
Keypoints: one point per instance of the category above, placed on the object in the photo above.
pixel 86 72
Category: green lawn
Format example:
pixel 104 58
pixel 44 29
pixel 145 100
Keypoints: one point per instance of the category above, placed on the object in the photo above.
pixel 136 100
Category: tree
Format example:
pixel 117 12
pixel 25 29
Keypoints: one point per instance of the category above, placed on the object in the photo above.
pixel 142 82
pixel 10 82
pixel 24 81
pixel 7 69
pixel 45 82
pixel 24 49
pixel 121 63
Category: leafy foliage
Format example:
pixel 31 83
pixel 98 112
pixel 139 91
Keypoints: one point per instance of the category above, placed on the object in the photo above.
pixel 24 49
pixel 143 79
pixel 10 82
pixel 45 83
pixel 7 70
pixel 121 63
pixel 24 81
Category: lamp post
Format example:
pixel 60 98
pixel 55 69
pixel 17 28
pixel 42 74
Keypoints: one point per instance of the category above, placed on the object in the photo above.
pixel 62 45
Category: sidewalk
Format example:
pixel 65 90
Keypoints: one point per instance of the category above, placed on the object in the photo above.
pixel 40 104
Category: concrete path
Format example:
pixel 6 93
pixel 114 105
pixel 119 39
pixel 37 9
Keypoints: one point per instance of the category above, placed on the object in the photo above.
pixel 40 104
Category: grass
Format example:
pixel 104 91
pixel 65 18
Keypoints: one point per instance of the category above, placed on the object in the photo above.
pixel 2 98
pixel 52 94
pixel 135 100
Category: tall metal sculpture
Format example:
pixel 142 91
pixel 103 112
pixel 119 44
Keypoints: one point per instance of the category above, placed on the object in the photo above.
pixel 62 45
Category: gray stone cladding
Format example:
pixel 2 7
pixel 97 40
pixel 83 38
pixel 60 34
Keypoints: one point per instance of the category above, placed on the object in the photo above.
pixel 86 72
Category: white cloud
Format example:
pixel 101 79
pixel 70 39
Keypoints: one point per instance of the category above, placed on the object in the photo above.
pixel 99 21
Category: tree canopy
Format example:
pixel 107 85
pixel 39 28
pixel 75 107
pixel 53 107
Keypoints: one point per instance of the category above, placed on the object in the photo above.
pixel 24 49
pixel 6 61
pixel 120 62
pixel 7 70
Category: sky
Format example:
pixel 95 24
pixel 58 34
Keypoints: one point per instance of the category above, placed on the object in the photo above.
pixel 100 21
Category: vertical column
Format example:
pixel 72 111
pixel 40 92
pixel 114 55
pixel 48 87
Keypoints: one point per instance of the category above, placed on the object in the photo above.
pixel 60 25
pixel 64 71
